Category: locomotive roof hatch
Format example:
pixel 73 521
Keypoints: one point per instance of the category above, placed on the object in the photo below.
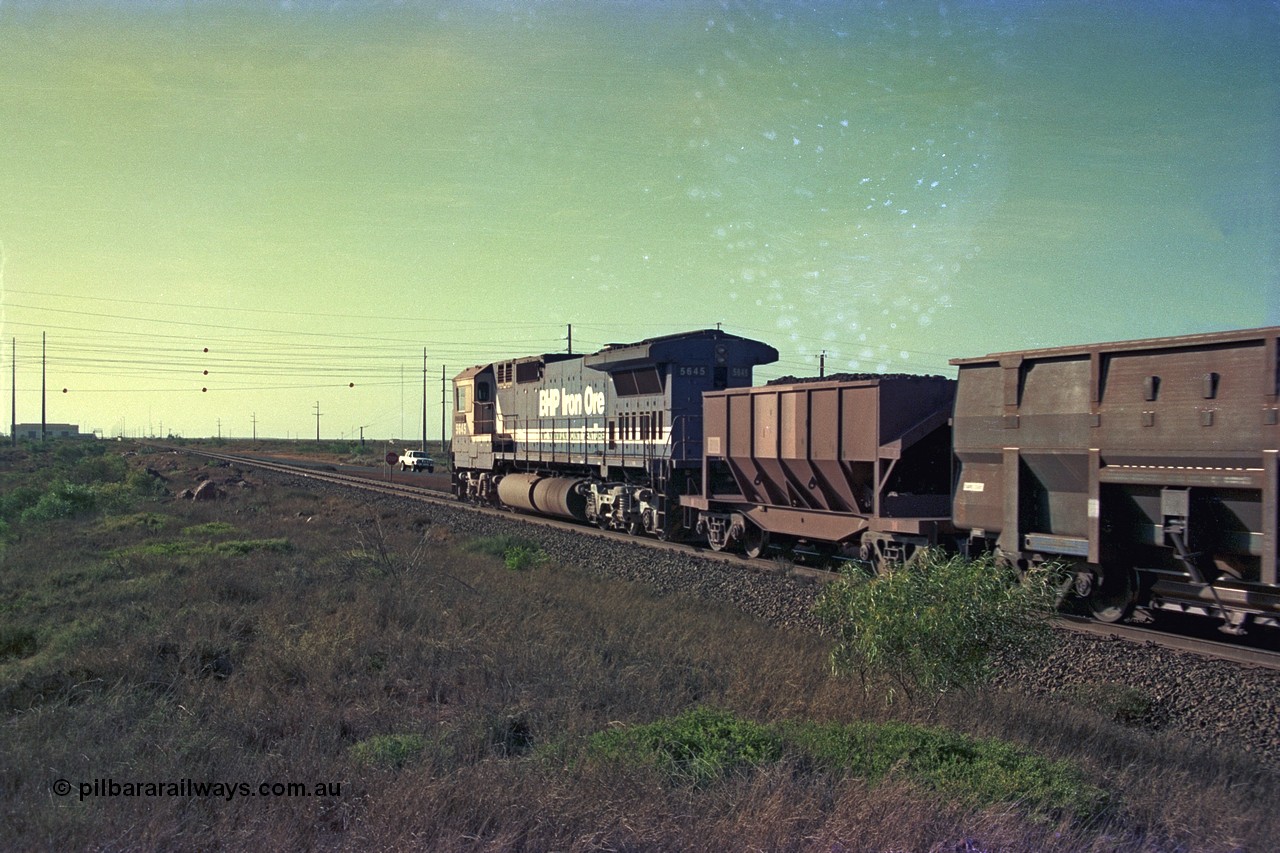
pixel 704 343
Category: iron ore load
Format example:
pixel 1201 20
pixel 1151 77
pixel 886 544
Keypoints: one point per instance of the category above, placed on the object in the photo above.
pixel 1148 468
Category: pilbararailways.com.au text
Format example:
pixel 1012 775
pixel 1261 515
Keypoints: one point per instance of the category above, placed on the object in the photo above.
pixel 189 788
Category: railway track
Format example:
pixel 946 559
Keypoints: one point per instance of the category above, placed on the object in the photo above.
pixel 434 488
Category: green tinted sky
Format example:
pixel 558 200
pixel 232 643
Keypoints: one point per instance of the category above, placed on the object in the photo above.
pixel 315 192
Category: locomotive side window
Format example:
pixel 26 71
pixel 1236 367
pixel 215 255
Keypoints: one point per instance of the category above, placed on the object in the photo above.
pixel 528 371
pixel 461 401
pixel 632 383
pixel 482 393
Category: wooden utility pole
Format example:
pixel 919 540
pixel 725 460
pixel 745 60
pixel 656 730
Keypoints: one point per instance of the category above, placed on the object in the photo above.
pixel 317 407
pixel 13 403
pixel 43 364
pixel 442 409
pixel 423 447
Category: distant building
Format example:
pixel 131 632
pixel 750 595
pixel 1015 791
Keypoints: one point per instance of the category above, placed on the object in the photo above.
pixel 31 432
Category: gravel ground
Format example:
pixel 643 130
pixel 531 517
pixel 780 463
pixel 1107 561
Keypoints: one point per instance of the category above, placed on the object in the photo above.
pixel 1216 703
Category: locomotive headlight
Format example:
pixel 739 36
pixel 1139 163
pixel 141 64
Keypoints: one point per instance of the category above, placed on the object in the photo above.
pixel 722 353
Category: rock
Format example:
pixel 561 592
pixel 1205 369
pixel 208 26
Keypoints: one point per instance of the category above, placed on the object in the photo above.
pixel 207 491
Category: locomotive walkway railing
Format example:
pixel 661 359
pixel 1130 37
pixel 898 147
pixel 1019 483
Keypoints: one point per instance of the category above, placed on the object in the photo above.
pixel 576 441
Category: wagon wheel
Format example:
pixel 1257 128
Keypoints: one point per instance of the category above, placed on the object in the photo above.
pixel 1115 595
pixel 754 540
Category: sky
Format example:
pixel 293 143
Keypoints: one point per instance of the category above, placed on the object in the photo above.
pixel 222 218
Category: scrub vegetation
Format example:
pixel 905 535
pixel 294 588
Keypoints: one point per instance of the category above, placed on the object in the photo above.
pixel 938 623
pixel 437 699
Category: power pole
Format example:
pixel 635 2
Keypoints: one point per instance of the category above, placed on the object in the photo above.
pixel 570 339
pixel 423 446
pixel 13 403
pixel 219 429
pixel 317 408
pixel 442 399
pixel 822 364
pixel 254 419
pixel 43 363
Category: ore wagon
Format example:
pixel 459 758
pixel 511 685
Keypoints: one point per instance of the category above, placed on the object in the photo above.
pixel 859 467
pixel 1147 466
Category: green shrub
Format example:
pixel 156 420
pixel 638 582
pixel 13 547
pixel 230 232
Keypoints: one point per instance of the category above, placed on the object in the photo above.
pixel 517 553
pixel 64 500
pixel 18 499
pixel 99 468
pixel 388 750
pixel 938 624
pixel 209 528
pixel 247 546
pixel 521 557
pixel 703 746
pixel 698 746
pixel 143 484
pixel 977 772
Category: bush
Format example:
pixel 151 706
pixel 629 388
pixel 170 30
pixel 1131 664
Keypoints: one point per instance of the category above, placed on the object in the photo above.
pixel 939 624
pixel 516 552
pixel 979 772
pixel 699 746
pixel 99 468
pixel 64 500
pixel 521 557
pixel 388 750
pixel 13 503
pixel 704 745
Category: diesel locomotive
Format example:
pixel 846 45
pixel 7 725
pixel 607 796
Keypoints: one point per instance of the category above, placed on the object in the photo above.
pixel 1148 467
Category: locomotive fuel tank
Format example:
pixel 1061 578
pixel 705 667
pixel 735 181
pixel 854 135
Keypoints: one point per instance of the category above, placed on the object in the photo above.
pixel 558 496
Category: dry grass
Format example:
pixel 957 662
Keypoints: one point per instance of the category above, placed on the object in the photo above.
pixel 452 700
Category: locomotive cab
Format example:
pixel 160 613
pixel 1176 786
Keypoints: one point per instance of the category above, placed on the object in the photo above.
pixel 473 401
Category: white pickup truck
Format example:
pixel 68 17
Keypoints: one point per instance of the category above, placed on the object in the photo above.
pixel 418 460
